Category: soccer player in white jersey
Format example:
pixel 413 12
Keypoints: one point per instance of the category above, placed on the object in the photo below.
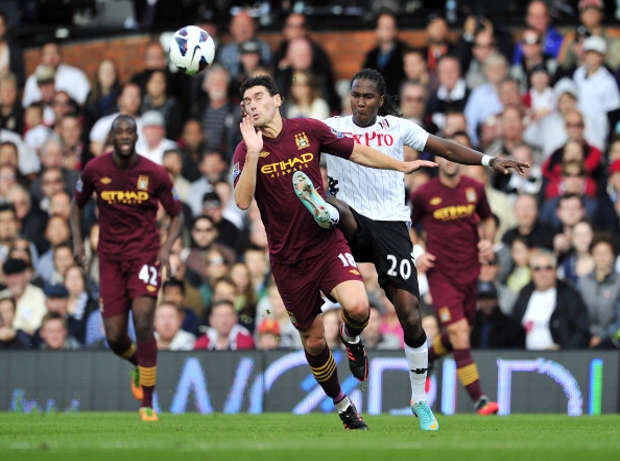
pixel 368 205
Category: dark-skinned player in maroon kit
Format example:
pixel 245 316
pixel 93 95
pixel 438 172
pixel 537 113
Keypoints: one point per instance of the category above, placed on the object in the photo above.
pixel 305 259
pixel 132 261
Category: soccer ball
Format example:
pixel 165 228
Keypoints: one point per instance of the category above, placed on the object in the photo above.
pixel 191 49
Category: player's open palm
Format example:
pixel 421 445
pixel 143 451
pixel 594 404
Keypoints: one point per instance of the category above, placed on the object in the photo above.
pixel 416 165
pixel 253 138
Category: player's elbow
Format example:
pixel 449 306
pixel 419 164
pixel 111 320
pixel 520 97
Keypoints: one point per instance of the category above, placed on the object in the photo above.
pixel 242 202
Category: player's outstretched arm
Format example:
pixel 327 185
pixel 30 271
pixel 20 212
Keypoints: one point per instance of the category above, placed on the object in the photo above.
pixel 373 158
pixel 76 218
pixel 458 153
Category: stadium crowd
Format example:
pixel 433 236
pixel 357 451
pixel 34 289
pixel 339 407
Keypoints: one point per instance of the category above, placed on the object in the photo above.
pixel 542 96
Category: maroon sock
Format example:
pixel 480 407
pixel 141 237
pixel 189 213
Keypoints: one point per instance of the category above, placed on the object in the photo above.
pixel 147 364
pixel 323 367
pixel 467 372
pixel 353 327
pixel 126 350
pixel 440 347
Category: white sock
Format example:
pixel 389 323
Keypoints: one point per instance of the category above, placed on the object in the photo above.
pixel 334 217
pixel 347 338
pixel 417 358
pixel 343 404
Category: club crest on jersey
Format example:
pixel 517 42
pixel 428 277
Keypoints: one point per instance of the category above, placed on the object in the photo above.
pixel 292 317
pixel 175 194
pixel 143 182
pixel 79 185
pixel 236 171
pixel 470 193
pixel 302 140
pixel 264 154
pixel 444 314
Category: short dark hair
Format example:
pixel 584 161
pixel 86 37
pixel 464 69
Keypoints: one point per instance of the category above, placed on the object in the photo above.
pixel 260 80
pixel 174 282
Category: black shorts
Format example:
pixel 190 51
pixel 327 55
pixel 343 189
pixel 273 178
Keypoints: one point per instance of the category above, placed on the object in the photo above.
pixel 386 244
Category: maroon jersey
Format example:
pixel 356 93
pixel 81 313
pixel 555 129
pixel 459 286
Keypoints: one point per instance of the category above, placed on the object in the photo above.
pixel 127 200
pixel 291 230
pixel 450 218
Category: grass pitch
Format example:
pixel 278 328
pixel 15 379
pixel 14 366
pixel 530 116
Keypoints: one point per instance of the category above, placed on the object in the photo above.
pixel 316 437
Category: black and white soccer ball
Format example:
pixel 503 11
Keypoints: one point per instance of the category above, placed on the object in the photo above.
pixel 191 49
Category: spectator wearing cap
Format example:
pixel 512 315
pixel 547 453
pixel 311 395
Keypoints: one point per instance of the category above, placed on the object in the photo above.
pixel 591 17
pixel 268 335
pixel 243 27
pixel 597 90
pixel 534 57
pixel 154 142
pixel 44 77
pixel 212 207
pixel 29 299
pixel 250 61
pixel 57 301
pixel 68 78
pixel 55 334
pixel 492 329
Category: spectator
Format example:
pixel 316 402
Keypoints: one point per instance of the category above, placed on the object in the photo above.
pixel 35 131
pixel 473 55
pixel 156 98
pixel 271 307
pixel 579 261
pixel 224 333
pixel 331 323
pixel 129 100
pixel 591 16
pixel 168 332
pixel 231 212
pixel 103 96
pixel 531 181
pixel 20 154
pixel 71 131
pixel 295 26
pixel 29 299
pixel 44 78
pixel 11 55
pixel 10 338
pixel 537 17
pixel 590 155
pixel 526 212
pixel 11 110
pixel 492 329
pixel 484 101
pixel 413 102
pixel 193 147
pixel 520 274
pixel 55 334
pixel 539 99
pixel 67 78
pixel 573 177
pixel 62 104
pixel 173 291
pixel 154 143
pixel 437 41
pixel 242 28
pixel 172 161
pixel 534 57
pixel 489 273
pixel 387 56
pixel 511 134
pixel 81 300
pixel 268 335
pixel 452 94
pixel 22 248
pixel 597 91
pixel 247 297
pixel 213 167
pixel 178 84
pixel 607 212
pixel 299 56
pixel 600 290
pixel 431 326
pixel 9 228
pixel 52 180
pixel 416 71
pixel 57 301
pixel 219 113
pixel 57 232
pixel 552 313
pixel 305 99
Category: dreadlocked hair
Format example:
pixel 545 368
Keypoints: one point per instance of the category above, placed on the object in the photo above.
pixel 389 107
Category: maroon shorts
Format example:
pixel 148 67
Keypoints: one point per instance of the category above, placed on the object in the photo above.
pixel 301 285
pixel 121 282
pixel 453 301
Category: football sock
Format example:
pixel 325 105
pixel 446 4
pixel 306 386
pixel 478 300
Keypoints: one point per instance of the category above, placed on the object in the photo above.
pixel 417 361
pixel 467 372
pixel 441 346
pixel 352 327
pixel 147 365
pixel 127 351
pixel 323 367
pixel 342 404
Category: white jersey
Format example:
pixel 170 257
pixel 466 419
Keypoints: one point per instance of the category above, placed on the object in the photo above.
pixel 376 194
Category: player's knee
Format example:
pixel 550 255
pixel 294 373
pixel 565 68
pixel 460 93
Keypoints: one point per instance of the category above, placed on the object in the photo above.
pixel 315 345
pixel 358 309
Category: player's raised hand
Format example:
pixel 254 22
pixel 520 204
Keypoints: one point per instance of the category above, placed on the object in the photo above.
pixel 503 165
pixel 416 165
pixel 253 138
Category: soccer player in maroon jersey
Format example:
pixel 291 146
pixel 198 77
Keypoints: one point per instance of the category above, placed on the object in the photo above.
pixel 304 259
pixel 459 230
pixel 131 258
